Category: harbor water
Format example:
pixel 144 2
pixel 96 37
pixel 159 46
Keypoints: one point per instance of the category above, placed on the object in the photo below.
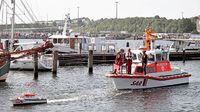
pixel 74 90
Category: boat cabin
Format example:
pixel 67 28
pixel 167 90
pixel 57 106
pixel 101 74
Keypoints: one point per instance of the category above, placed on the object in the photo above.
pixel 81 44
pixel 158 61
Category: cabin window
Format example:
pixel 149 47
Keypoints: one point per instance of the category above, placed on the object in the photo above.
pixel 158 57
pixel 94 47
pixel 66 41
pixel 60 41
pixel 139 69
pixel 111 48
pixel 103 48
pixel 55 41
pixel 151 57
pixel 78 40
pixel 164 56
pixel 134 56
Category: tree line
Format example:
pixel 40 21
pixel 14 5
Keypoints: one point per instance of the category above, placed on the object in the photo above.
pixel 136 25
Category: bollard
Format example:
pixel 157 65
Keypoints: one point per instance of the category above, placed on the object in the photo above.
pixel 90 62
pixel 55 62
pixel 35 63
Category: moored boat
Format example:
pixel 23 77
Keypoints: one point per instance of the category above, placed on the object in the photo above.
pixel 25 62
pixel 4 66
pixel 159 72
pixel 74 43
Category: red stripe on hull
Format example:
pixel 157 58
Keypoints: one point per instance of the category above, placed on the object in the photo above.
pixel 148 76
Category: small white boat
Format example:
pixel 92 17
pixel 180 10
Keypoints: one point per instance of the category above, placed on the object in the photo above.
pixel 26 63
pixel 28 99
pixel 159 72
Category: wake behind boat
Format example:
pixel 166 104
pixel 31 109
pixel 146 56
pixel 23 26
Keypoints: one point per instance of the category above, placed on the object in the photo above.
pixel 159 72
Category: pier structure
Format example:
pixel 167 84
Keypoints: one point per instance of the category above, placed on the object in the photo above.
pixel 82 59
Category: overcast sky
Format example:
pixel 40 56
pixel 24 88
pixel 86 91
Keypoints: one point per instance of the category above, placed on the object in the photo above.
pixel 97 9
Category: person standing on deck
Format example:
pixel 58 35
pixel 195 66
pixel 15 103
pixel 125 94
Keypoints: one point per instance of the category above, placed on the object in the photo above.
pixel 118 62
pixel 129 56
pixel 144 61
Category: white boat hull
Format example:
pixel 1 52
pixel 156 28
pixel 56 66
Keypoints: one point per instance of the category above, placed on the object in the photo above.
pixel 127 81
pixel 27 64
pixel 131 83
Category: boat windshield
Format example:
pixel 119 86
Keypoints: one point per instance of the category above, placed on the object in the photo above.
pixel 135 56
pixel 165 56
pixel 151 57
pixel 158 57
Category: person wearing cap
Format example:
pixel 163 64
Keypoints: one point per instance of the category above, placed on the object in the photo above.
pixel 129 56
pixel 144 61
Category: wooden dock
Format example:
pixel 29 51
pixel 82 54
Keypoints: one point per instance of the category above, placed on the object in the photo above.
pixel 82 59
pixel 189 55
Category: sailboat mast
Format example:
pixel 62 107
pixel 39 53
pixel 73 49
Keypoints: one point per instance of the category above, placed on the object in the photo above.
pixel 12 29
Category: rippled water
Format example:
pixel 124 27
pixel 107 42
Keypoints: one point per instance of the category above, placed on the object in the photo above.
pixel 75 90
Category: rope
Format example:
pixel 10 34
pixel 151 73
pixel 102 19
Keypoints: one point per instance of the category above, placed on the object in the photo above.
pixel 46 45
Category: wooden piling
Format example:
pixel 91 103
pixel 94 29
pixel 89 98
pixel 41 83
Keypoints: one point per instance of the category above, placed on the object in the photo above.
pixel 80 48
pixel 6 45
pixel 35 62
pixel 55 60
pixel 183 56
pixel 90 62
pixel 127 44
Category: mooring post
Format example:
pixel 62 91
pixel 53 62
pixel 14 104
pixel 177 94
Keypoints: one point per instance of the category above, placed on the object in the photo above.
pixel 6 45
pixel 35 62
pixel 183 56
pixel 127 44
pixel 90 62
pixel 55 61
pixel 80 48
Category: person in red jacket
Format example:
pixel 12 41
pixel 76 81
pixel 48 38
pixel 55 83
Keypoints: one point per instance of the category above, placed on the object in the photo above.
pixel 129 56
pixel 118 62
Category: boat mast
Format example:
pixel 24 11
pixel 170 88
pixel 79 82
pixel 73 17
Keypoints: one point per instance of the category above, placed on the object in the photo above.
pixel 12 29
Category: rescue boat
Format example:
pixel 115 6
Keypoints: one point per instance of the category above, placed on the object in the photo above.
pixel 159 72
pixel 28 99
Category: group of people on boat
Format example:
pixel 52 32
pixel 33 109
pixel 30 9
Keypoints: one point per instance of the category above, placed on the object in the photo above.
pixel 120 57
